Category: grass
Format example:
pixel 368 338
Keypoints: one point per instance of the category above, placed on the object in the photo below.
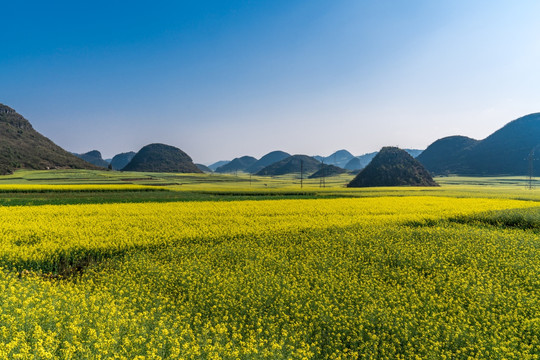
pixel 524 219
pixel 42 187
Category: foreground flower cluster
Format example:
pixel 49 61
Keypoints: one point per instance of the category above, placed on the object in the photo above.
pixel 373 278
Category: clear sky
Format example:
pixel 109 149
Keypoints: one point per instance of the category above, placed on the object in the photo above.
pixel 221 79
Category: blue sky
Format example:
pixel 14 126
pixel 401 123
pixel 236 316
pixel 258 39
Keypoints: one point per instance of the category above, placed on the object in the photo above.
pixel 221 79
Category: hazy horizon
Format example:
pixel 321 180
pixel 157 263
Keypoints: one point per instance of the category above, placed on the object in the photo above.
pixel 221 80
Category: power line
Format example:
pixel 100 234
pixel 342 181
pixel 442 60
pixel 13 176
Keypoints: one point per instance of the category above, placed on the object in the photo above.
pixel 322 181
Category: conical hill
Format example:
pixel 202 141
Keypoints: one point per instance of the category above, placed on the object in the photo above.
pixel 162 158
pixel 393 167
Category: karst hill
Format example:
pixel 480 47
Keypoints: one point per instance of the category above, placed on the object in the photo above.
pixel 290 165
pixel 22 147
pixel 237 164
pixel 327 171
pixel 93 157
pixel 268 159
pixel 162 158
pixel 504 152
pixel 393 167
pixel 119 161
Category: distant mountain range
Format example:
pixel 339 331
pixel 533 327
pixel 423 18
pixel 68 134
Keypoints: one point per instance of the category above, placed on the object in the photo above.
pixel 340 158
pixel 119 161
pixel 217 164
pixel 22 147
pixel 360 162
pixel 266 160
pixel 237 164
pixel 327 171
pixel 291 164
pixel 446 154
pixel 204 168
pixel 93 157
pixel 505 152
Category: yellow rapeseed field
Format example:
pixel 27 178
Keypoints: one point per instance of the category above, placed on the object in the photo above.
pixel 368 278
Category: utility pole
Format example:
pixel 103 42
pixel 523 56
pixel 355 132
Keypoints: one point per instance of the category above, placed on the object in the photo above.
pixel 320 178
pixel 322 182
pixel 301 174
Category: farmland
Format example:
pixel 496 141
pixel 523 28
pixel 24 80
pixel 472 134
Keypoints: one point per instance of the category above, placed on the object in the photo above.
pixel 103 265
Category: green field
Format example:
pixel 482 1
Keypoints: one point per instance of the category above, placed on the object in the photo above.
pixel 98 264
pixel 217 187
